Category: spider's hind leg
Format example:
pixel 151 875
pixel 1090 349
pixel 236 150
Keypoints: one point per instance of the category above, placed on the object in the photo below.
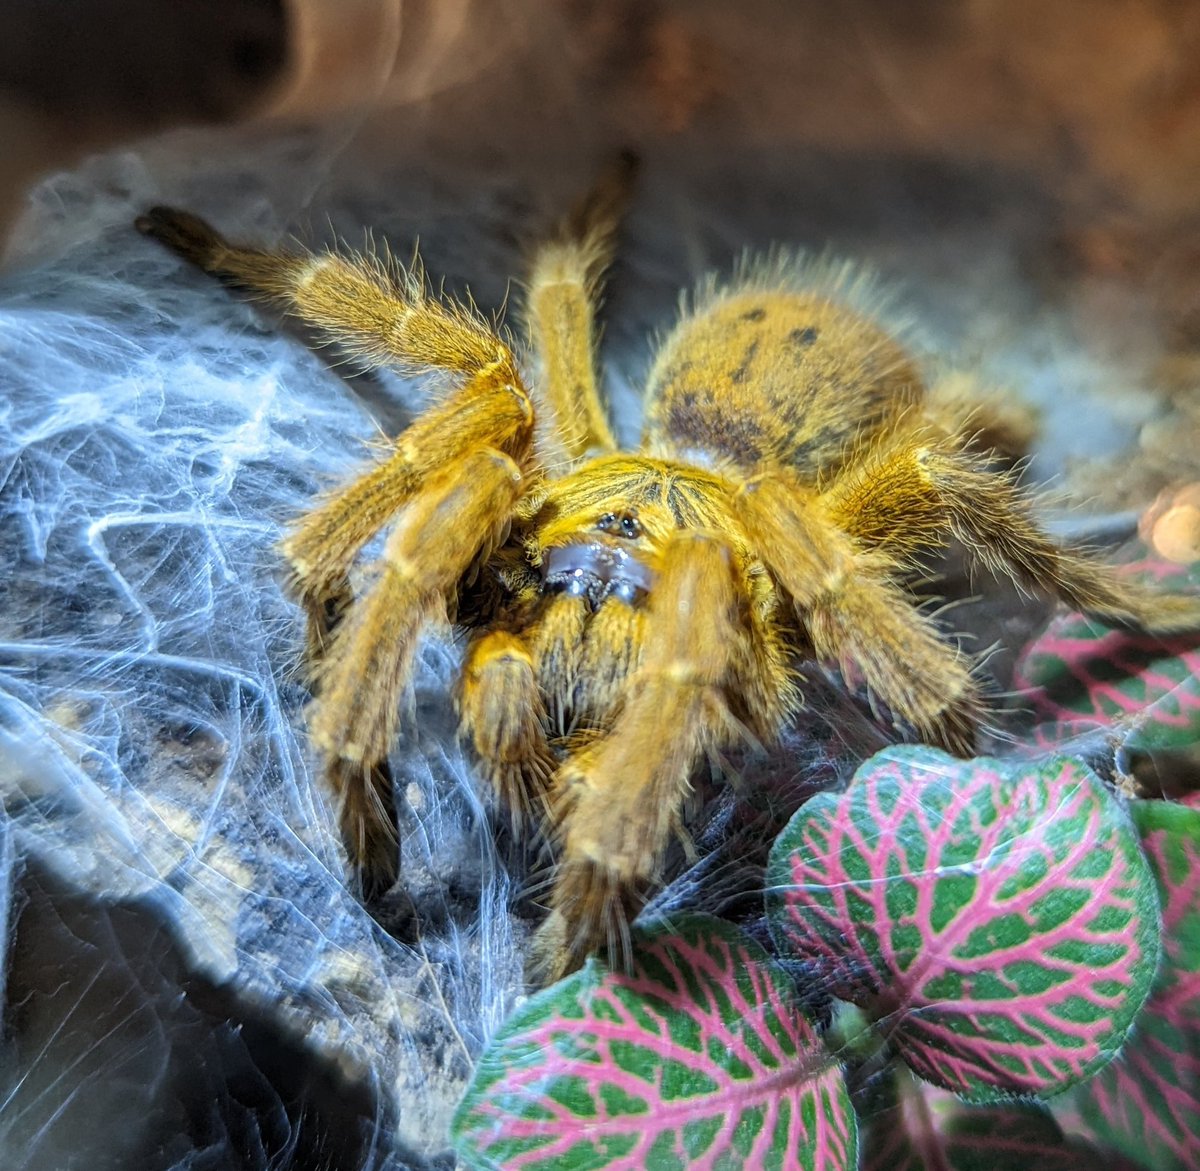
pixel 906 498
pixel 996 425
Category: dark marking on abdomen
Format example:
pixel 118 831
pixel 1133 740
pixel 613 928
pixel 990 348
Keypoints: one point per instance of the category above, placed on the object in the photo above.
pixel 743 371
pixel 702 424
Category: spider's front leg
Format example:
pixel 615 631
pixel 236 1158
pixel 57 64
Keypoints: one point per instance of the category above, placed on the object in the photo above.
pixel 453 480
pixel 381 314
pixel 450 484
pixel 619 799
pixel 452 522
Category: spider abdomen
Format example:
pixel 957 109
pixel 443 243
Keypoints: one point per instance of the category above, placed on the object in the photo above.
pixel 775 376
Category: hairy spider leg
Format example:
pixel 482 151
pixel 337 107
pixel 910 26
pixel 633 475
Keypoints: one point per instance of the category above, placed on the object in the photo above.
pixel 618 800
pixel 370 306
pixel 490 409
pixel 997 424
pixel 908 495
pixel 778 385
pixel 453 521
pixel 563 291
pixel 856 614
pixel 381 315
pixel 501 707
pixel 453 478
pixel 502 712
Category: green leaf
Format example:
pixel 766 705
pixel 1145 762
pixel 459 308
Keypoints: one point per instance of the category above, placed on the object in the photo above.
pixel 695 1059
pixel 996 919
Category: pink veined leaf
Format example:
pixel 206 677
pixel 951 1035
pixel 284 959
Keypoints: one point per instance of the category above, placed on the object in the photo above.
pixel 695 1060
pixel 998 921
pixel 1147 1102
pixel 1080 674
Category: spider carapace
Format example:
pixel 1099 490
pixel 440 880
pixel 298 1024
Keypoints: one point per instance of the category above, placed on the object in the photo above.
pixel 629 615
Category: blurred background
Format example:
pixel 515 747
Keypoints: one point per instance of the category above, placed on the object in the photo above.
pixel 1103 95
pixel 1106 94
pixel 189 985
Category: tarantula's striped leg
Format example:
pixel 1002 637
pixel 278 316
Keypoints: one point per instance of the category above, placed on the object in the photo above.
pixel 858 617
pixel 452 521
pixel 908 498
pixel 380 314
pixel 560 304
pixel 491 409
pixel 375 310
pixel 501 710
pixel 619 799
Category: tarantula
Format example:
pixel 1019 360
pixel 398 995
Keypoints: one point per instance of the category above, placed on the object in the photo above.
pixel 630 614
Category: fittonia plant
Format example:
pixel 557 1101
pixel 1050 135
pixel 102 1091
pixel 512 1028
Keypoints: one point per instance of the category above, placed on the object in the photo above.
pixel 1079 676
pixel 698 1058
pixel 999 924
pixel 1146 1103
pixel 1011 951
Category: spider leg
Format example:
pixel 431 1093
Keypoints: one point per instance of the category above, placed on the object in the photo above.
pixel 906 499
pixel 993 424
pixel 375 310
pixel 490 409
pixel 502 712
pixel 452 479
pixel 618 800
pixel 381 314
pixel 564 287
pixel 856 615
pixel 452 521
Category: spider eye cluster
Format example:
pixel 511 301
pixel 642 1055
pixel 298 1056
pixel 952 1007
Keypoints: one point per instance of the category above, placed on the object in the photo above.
pixel 621 524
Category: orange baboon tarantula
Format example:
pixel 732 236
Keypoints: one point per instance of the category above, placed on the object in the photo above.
pixel 631 613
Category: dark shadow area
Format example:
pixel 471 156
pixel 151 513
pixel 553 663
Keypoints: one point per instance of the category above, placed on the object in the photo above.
pixel 139 62
pixel 117 1056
